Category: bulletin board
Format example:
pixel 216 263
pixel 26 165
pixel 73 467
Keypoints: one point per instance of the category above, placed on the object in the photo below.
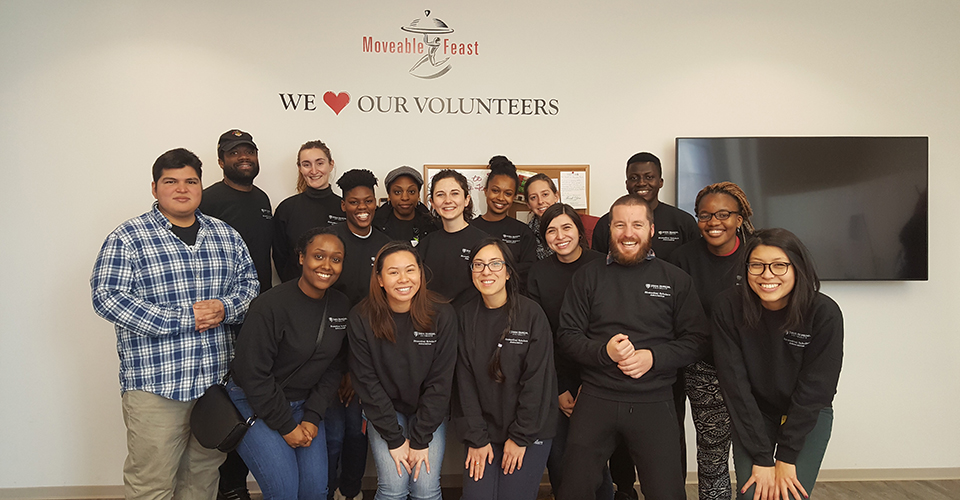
pixel 573 183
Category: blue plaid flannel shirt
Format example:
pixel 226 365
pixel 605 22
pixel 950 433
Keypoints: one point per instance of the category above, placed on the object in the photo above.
pixel 146 280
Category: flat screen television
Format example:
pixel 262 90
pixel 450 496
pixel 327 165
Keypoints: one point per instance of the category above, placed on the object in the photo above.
pixel 858 203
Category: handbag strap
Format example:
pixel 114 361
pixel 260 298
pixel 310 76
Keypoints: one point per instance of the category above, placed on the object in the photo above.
pixel 323 326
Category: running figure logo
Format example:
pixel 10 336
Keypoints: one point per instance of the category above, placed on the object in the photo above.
pixel 428 66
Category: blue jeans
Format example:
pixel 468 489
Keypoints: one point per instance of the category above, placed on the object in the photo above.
pixel 346 447
pixel 281 471
pixel 390 486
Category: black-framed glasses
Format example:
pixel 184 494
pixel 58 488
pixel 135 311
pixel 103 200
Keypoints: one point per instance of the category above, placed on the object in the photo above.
pixel 719 214
pixel 776 268
pixel 494 265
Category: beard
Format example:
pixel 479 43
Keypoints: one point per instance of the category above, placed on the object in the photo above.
pixel 241 177
pixel 630 260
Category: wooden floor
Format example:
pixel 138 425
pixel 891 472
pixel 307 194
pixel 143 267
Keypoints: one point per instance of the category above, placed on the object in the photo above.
pixel 839 490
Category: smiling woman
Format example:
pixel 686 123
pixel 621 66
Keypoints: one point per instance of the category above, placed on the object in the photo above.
pixel 780 330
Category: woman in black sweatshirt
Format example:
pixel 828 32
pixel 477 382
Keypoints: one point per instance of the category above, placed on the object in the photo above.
pixel 287 370
pixel 446 252
pixel 778 345
pixel 403 349
pixel 315 205
pixel 548 280
pixel 506 408
pixel 715 262
pixel 501 188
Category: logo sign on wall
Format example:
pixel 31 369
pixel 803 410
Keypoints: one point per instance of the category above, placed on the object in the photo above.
pixel 432 57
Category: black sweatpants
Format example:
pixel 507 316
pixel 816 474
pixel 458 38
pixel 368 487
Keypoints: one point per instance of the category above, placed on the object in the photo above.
pixel 650 432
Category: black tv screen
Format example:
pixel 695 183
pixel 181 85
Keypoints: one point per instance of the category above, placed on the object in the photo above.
pixel 858 203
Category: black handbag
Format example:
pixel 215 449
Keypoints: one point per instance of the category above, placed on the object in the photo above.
pixel 217 423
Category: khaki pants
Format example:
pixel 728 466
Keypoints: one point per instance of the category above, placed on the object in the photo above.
pixel 164 460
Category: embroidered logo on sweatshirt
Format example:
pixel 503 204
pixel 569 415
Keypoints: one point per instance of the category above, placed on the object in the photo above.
pixel 465 254
pixel 796 339
pixel 658 291
pixel 424 338
pixel 668 236
pixel 517 337
pixel 337 323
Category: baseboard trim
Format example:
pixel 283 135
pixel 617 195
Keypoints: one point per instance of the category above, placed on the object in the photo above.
pixel 456 480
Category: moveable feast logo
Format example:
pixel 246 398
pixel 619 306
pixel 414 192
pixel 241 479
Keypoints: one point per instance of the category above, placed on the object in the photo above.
pixel 432 57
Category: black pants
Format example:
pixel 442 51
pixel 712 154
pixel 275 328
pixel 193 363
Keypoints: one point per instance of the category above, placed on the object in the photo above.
pixel 621 467
pixel 233 473
pixel 650 432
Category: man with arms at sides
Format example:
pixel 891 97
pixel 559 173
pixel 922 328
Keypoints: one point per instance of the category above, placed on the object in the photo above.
pixel 631 321
pixel 236 201
pixel 674 227
pixel 171 280
pixel 346 441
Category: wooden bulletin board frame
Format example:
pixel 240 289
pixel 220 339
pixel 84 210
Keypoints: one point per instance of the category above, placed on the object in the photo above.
pixel 477 176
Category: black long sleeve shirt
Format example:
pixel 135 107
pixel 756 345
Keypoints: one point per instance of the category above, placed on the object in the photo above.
pixel 411 231
pixel 248 212
pixel 297 215
pixel 673 227
pixel 711 273
pixel 523 407
pixel 358 256
pixel 547 283
pixel 768 373
pixel 654 304
pixel 413 376
pixel 279 333
pixel 447 256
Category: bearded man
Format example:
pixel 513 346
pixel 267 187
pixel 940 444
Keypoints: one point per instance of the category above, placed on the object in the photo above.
pixel 631 322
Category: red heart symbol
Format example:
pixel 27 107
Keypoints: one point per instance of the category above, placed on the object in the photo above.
pixel 336 101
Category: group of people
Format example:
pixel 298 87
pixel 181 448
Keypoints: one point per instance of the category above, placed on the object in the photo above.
pixel 392 324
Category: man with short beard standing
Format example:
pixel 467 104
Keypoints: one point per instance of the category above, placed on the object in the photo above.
pixel 246 208
pixel 631 322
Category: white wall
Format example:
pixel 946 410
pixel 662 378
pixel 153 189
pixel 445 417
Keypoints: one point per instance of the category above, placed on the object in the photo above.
pixel 92 92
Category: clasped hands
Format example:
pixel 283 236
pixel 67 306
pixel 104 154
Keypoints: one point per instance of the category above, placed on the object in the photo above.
pixel 302 435
pixel 208 314
pixel 410 459
pixel 632 362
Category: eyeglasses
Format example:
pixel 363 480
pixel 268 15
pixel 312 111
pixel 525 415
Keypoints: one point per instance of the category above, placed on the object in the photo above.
pixel 777 268
pixel 720 215
pixel 495 266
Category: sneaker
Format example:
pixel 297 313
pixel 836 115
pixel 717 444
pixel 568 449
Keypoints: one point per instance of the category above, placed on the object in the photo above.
pixel 339 496
pixel 240 493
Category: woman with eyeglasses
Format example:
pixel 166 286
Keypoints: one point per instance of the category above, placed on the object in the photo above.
pixel 715 264
pixel 403 352
pixel 779 346
pixel 506 405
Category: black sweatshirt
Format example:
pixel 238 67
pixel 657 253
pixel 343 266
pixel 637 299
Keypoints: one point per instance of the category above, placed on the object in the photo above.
pixel 447 256
pixel 279 330
pixel 548 280
pixel 413 376
pixel 769 374
pixel 358 256
pixel 522 408
pixel 711 274
pixel 297 215
pixel 411 231
pixel 248 212
pixel 673 227
pixel 519 239
pixel 653 303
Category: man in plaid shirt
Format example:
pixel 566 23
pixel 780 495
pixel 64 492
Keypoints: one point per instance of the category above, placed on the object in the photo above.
pixel 173 281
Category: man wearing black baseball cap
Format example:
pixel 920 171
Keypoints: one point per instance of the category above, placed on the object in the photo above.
pixel 246 208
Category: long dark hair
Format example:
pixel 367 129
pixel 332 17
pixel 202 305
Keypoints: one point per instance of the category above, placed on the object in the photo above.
pixel 806 282
pixel 513 300
pixel 462 180
pixel 556 210
pixel 375 306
